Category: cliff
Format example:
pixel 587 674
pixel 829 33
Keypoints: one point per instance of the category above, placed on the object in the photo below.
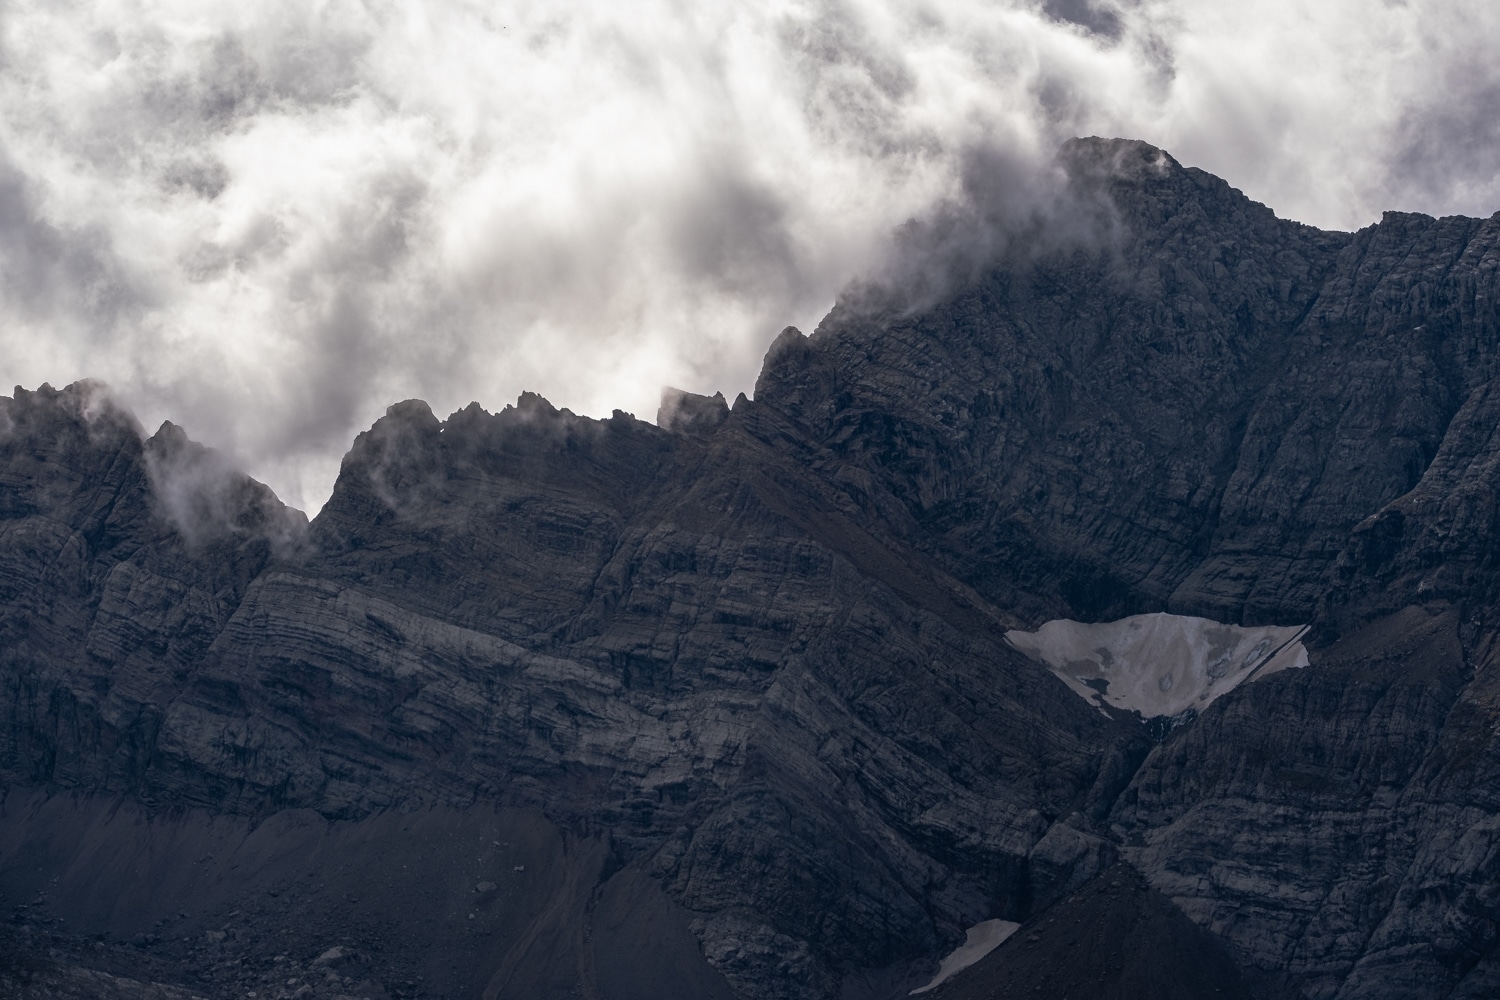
pixel 727 700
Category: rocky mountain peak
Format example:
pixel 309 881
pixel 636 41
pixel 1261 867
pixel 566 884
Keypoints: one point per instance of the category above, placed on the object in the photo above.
pixel 544 704
pixel 207 498
pixel 690 413
pixel 86 408
pixel 1115 159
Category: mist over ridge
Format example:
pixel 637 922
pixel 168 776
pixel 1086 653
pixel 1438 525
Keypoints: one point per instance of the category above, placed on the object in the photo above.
pixel 267 224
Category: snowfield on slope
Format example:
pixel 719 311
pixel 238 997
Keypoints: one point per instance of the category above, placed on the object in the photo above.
pixel 979 941
pixel 1160 664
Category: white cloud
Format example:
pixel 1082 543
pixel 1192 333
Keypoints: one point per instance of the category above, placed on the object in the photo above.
pixel 268 221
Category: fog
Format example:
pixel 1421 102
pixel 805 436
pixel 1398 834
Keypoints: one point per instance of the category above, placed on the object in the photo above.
pixel 267 222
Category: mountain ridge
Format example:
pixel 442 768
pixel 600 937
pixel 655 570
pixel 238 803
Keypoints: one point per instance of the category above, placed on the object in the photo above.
pixel 747 668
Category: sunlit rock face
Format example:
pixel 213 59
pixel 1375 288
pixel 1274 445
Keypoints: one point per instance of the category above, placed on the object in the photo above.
pixel 1160 664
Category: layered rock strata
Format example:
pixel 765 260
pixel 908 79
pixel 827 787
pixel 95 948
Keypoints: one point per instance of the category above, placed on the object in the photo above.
pixel 747 667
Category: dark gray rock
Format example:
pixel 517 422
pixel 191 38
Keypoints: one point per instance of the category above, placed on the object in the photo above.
pixel 745 670
pixel 690 413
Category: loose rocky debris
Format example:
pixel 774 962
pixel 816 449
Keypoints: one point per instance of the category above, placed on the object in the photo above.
pixel 1114 938
pixel 42 964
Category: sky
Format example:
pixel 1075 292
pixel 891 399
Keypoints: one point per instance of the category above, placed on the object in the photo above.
pixel 269 221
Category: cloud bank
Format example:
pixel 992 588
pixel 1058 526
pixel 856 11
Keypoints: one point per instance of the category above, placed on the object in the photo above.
pixel 269 221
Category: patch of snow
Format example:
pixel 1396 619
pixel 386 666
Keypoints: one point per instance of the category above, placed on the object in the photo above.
pixel 979 941
pixel 1160 665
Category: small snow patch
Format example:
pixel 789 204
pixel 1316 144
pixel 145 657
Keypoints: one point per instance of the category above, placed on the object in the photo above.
pixel 1160 665
pixel 334 958
pixel 979 941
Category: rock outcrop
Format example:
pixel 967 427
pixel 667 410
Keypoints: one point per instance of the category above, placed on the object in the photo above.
pixel 737 683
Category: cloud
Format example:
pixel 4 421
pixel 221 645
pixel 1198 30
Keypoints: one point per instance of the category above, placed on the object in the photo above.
pixel 207 500
pixel 269 221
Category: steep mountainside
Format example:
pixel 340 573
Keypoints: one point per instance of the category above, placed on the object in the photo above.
pixel 540 705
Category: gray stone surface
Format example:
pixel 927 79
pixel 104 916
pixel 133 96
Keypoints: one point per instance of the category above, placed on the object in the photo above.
pixel 753 658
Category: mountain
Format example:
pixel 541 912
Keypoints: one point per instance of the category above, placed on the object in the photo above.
pixel 724 706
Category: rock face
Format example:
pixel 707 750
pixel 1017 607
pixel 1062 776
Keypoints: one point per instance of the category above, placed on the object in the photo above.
pixel 737 686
